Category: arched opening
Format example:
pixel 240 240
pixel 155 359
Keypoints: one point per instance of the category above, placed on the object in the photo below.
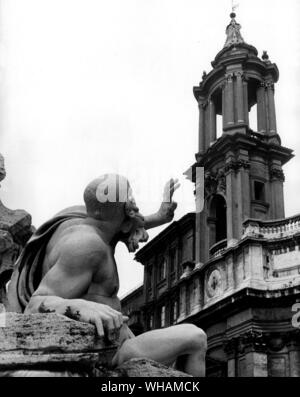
pixel 252 104
pixel 219 125
pixel 253 118
pixel 217 98
pixel 217 219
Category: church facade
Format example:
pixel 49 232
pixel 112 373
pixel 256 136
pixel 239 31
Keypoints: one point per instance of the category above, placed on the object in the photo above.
pixel 233 268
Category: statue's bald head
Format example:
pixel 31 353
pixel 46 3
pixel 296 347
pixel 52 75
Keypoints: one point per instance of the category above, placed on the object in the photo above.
pixel 107 197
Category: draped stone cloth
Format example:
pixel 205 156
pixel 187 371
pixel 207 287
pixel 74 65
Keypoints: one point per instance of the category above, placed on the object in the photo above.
pixel 28 271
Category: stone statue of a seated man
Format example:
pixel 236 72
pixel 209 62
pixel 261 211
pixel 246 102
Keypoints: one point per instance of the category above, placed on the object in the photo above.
pixel 68 267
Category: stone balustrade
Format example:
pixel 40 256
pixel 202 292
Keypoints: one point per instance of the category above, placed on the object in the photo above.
pixel 272 229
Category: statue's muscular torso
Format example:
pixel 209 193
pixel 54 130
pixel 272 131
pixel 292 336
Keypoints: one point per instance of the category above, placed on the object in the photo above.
pixel 104 284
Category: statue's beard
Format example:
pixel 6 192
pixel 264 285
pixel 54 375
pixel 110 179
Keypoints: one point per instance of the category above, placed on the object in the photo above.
pixel 132 239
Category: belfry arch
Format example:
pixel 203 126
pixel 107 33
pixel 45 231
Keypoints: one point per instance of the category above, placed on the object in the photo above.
pixel 217 219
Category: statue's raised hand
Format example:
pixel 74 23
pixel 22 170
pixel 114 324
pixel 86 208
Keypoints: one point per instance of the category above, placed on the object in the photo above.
pixel 168 206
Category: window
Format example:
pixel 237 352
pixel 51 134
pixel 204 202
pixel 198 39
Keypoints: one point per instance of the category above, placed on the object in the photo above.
pixel 172 261
pixel 218 219
pixel 163 316
pixel 219 125
pixel 162 270
pixel 150 321
pixel 174 314
pixel 259 191
pixel 149 278
pixel 253 117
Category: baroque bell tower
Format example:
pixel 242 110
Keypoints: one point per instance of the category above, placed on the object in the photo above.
pixel 242 162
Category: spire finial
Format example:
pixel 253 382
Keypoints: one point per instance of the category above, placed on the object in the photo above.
pixel 233 7
pixel 233 29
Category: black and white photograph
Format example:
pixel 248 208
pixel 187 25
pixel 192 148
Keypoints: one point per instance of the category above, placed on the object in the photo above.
pixel 150 192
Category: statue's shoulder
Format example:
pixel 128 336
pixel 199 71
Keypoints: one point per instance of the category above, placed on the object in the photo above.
pixel 75 209
pixel 80 240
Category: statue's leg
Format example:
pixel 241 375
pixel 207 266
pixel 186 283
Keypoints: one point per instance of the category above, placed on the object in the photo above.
pixel 185 344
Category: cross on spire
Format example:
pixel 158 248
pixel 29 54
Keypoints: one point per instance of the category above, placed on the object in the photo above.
pixel 233 6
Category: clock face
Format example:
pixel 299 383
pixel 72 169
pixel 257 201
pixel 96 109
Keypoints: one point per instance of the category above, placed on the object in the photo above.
pixel 214 283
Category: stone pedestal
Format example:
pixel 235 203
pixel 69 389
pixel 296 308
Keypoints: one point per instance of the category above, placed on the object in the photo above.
pixel 52 345
pixel 51 341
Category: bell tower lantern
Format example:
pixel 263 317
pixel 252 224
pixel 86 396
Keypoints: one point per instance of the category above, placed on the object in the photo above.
pixel 242 162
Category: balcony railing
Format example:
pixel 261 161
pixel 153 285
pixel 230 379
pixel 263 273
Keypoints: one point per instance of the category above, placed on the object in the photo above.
pixel 218 248
pixel 272 229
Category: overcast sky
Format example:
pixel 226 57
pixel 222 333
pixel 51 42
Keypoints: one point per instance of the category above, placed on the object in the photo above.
pixel 94 86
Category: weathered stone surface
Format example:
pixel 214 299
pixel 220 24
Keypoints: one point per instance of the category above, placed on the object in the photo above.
pixel 51 331
pixel 51 345
pixel 137 367
pixel 13 360
pixel 17 223
pixel 15 231
pixel 43 374
pixel 50 339
pixel 142 367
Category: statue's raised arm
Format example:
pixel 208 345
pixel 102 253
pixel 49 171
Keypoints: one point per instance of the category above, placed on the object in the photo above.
pixel 167 208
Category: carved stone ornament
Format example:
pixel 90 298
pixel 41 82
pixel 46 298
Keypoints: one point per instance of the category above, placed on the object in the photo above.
pixel 229 77
pixel 214 283
pixel 268 85
pixel 277 175
pixel 250 339
pixel 235 165
pixel 215 182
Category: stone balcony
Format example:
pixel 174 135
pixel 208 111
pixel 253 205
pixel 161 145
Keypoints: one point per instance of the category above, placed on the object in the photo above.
pixel 272 229
pixel 218 248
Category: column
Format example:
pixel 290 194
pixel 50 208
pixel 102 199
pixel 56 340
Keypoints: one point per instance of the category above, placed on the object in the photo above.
pixel 207 125
pixel 261 109
pixel 231 368
pixel 197 297
pixel 243 189
pixel 182 303
pixel 230 349
pixel 229 100
pixel 201 238
pixel 240 97
pixel 271 103
pixel 246 110
pixel 201 128
pixel 224 119
pixel 212 122
pixel 277 196
pixel 256 364
pixel 231 201
pixel 294 359
pixel 154 279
